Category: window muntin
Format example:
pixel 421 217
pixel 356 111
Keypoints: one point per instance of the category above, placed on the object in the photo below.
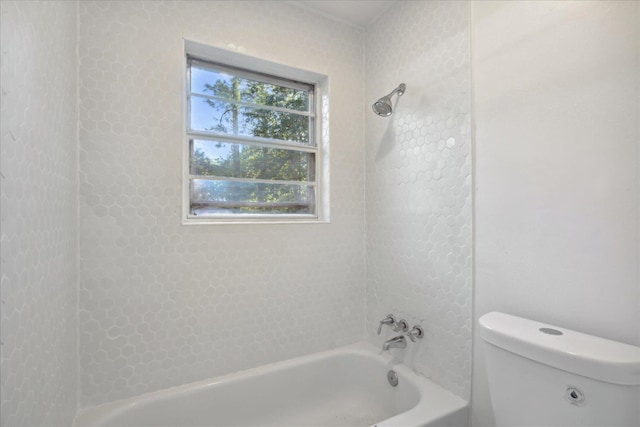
pixel 252 148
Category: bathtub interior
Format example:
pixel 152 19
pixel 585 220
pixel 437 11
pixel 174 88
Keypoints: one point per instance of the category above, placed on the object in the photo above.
pixel 338 388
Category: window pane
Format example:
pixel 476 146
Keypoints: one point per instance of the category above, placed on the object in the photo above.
pixel 220 84
pixel 215 158
pixel 232 119
pixel 209 197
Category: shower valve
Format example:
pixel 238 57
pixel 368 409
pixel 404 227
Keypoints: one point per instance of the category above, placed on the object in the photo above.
pixel 415 332
pixel 389 320
pixel 397 325
pixel 401 326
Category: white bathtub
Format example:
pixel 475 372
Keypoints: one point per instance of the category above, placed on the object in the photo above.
pixel 343 387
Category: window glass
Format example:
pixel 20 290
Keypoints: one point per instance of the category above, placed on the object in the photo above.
pixel 216 158
pixel 233 197
pixel 226 86
pixel 225 117
pixel 251 144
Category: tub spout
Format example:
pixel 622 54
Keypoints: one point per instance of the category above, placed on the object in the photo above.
pixel 396 342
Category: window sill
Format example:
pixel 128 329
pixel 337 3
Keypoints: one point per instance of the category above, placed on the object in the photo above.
pixel 253 221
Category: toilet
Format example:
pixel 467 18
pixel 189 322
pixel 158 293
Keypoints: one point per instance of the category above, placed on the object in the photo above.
pixel 543 375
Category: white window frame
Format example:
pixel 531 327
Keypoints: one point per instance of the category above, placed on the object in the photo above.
pixel 320 134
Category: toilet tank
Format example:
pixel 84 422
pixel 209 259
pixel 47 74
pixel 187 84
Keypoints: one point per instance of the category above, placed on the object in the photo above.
pixel 543 375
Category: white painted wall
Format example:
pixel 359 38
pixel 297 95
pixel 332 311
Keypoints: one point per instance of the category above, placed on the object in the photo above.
pixel 39 198
pixel 557 93
pixel 418 192
pixel 163 304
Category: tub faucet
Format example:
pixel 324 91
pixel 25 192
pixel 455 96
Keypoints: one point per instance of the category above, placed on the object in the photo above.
pixel 396 342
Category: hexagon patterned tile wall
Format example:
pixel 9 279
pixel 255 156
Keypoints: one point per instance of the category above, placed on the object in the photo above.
pixel 39 169
pixel 163 304
pixel 418 193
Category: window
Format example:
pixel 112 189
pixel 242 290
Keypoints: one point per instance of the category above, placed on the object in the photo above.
pixel 253 149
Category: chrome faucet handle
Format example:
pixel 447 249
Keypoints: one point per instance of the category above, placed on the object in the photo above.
pixel 401 326
pixel 415 332
pixel 389 320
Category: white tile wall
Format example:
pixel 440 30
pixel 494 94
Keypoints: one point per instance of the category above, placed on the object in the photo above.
pixel 163 304
pixel 38 360
pixel 418 192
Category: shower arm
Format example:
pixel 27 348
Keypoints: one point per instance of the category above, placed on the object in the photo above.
pixel 399 90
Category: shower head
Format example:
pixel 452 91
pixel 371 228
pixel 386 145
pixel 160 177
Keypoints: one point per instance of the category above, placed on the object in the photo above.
pixel 383 106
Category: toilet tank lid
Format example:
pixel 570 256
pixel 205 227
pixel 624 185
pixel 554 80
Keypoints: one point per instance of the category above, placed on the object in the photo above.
pixel 562 348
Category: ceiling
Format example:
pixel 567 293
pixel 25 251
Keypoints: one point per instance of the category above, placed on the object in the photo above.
pixel 358 12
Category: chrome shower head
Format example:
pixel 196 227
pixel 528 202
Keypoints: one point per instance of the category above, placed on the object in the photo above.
pixel 383 106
